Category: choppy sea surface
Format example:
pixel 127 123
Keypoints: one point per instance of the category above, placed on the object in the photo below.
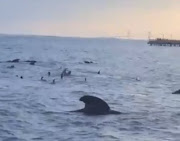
pixel 136 79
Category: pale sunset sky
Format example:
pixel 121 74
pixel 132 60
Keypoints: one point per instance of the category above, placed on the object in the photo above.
pixel 91 18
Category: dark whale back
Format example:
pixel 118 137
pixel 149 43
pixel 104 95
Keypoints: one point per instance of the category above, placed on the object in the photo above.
pixel 94 105
pixel 176 92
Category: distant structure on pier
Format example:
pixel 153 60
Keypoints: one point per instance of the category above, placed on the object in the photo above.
pixel 164 42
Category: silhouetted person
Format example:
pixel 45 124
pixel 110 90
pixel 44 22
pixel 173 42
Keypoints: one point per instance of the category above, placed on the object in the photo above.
pixel 49 73
pixel 53 82
pixel 62 75
pixel 85 79
pixel 99 72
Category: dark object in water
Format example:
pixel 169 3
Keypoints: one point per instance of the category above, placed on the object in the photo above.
pixel 85 79
pixel 68 73
pixel 65 72
pixel 32 63
pixel 21 77
pixel 53 82
pixel 29 61
pixel 95 106
pixel 176 92
pixel 11 67
pixel 17 76
pixel 99 72
pixel 62 76
pixel 42 79
pixel 14 61
pixel 138 79
pixel 88 62
pixel 49 73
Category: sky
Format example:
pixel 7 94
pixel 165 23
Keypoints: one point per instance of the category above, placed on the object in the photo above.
pixel 91 18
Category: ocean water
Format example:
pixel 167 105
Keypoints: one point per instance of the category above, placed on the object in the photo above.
pixel 32 110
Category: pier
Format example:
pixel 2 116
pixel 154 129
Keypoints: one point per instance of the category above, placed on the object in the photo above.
pixel 164 42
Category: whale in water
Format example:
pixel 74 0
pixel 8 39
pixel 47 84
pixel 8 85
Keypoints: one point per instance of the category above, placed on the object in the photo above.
pixel 14 61
pixel 176 92
pixel 95 106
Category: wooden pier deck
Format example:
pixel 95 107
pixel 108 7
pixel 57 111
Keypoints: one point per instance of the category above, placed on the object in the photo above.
pixel 164 42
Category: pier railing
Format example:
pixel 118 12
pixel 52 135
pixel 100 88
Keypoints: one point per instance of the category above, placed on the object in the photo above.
pixel 164 42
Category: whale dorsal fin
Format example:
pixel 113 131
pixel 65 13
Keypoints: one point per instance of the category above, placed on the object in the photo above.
pixel 94 105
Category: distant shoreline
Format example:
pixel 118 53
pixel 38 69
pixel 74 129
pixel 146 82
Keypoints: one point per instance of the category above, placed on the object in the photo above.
pixel 68 37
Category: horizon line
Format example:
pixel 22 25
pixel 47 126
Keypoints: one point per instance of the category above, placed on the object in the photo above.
pixel 82 37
